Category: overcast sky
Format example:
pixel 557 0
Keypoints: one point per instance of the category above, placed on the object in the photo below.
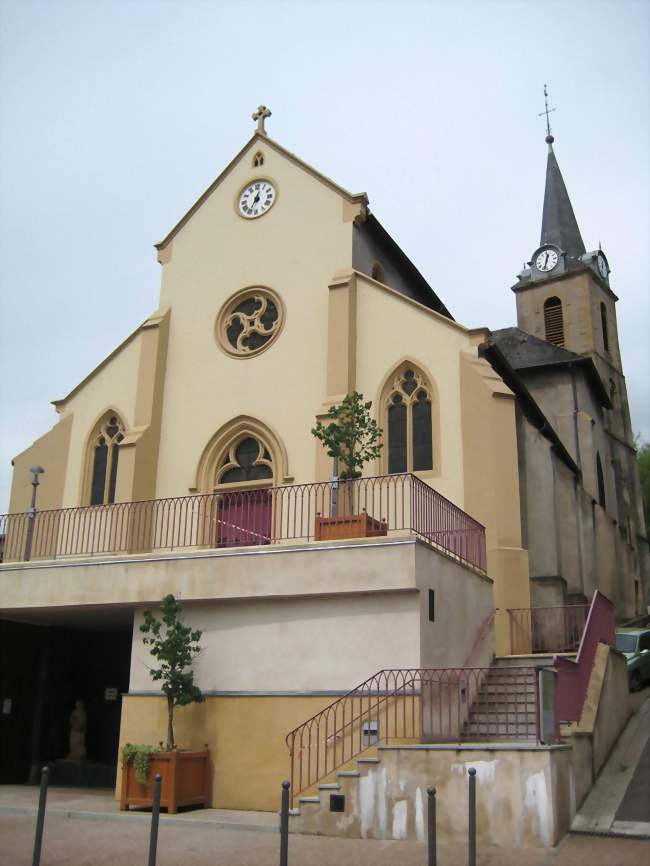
pixel 116 115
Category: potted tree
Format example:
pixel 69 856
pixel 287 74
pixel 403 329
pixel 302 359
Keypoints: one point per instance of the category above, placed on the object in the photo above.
pixel 352 437
pixel 185 774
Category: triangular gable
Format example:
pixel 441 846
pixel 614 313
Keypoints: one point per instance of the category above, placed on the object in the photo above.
pixel 353 198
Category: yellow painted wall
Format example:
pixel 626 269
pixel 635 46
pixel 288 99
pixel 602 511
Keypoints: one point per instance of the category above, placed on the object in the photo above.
pixel 113 387
pixel 294 249
pixel 492 486
pixel 245 735
pixel 391 329
pixel 51 452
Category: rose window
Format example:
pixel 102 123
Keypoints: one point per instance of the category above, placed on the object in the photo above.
pixel 249 322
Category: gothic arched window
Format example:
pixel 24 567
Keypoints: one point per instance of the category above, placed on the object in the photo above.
pixel 409 424
pixel 603 324
pixel 553 321
pixel 247 459
pixel 105 455
pixel 601 480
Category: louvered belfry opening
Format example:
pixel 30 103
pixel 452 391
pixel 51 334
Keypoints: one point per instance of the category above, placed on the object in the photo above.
pixel 553 321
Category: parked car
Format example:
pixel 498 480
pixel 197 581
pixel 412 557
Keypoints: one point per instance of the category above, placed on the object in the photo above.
pixel 634 643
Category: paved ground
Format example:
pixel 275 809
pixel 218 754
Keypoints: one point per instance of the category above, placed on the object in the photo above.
pixel 635 805
pixel 85 828
pixel 82 842
pixel 619 802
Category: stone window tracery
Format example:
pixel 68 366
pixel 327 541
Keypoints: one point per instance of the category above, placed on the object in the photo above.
pixel 105 454
pixel 409 423
pixel 247 459
pixel 258 159
pixel 249 322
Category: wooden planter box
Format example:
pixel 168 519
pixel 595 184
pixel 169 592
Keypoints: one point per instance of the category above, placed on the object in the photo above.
pixel 349 526
pixel 185 781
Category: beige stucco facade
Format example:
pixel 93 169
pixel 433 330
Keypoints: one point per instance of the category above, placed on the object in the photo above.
pixel 181 397
pixel 289 625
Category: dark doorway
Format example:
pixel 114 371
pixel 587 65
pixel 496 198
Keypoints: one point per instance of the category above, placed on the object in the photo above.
pixel 43 671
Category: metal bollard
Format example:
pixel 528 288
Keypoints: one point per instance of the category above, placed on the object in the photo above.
pixel 40 817
pixel 284 825
pixel 431 829
pixel 472 817
pixel 155 818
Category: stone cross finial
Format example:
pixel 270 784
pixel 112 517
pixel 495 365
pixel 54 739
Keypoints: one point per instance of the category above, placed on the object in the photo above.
pixel 260 116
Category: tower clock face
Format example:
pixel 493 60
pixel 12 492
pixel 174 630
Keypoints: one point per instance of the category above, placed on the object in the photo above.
pixel 256 199
pixel 602 266
pixel 546 260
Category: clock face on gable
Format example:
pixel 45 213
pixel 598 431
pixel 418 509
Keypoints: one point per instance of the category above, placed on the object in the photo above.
pixel 256 199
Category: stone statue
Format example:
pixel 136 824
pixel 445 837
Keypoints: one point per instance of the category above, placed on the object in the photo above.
pixel 77 732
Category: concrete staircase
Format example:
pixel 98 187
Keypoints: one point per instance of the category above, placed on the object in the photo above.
pixel 506 703
pixel 318 812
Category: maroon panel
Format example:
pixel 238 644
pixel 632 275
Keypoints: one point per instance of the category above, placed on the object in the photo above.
pixel 244 518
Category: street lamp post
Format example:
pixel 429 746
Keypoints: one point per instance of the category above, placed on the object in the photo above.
pixel 36 472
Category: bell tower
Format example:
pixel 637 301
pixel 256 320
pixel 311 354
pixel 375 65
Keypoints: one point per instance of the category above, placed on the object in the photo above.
pixel 574 370
pixel 564 294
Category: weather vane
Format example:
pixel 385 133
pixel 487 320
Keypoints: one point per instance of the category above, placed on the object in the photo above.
pixel 547 111
pixel 260 116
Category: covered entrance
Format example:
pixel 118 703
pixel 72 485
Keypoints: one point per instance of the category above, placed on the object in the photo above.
pixel 50 666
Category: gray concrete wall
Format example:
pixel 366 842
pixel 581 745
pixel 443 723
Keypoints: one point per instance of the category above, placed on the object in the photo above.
pixel 574 545
pixel 523 796
pixel 613 710
pixel 463 600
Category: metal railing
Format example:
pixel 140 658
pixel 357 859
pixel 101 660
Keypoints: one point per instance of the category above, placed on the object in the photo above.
pixel 573 677
pixel 546 629
pixel 431 705
pixel 238 518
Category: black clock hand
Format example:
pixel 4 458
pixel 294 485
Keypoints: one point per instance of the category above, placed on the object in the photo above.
pixel 546 259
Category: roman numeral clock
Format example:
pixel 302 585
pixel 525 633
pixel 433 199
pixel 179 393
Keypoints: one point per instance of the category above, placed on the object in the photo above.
pixel 256 199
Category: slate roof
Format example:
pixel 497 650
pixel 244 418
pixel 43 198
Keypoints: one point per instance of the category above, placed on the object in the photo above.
pixel 524 352
pixel 559 225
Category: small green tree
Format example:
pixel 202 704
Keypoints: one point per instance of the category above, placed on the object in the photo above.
pixel 352 436
pixel 174 645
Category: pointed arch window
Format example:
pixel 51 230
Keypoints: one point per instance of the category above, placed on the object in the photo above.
pixel 247 459
pixel 601 480
pixel 409 423
pixel 244 501
pixel 105 458
pixel 603 324
pixel 554 321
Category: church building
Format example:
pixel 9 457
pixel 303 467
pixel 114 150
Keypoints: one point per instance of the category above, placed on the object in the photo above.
pixel 184 463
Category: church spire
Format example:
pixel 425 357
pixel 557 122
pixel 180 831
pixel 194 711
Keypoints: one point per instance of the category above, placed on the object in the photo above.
pixel 559 225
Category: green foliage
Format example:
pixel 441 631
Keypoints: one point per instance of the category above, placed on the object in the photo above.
pixel 141 756
pixel 643 458
pixel 174 646
pixel 352 436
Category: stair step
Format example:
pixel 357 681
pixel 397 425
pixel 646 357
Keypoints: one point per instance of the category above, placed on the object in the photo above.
pixel 349 774
pixel 309 800
pixel 500 731
pixel 332 786
pixel 367 760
